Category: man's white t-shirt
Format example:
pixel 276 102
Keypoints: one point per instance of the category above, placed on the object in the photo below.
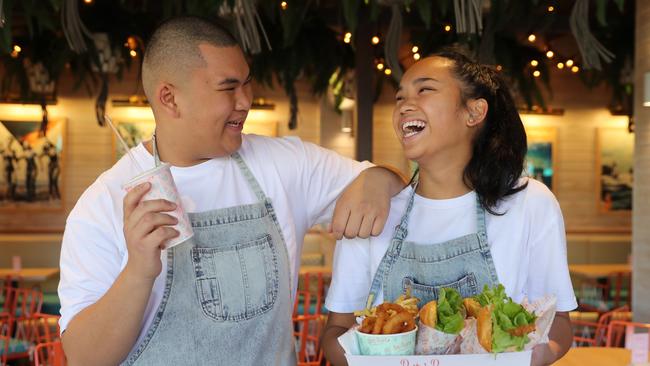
pixel 527 243
pixel 301 179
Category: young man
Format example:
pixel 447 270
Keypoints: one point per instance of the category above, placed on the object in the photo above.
pixel 223 297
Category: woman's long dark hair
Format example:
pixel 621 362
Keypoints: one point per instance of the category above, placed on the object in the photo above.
pixel 500 145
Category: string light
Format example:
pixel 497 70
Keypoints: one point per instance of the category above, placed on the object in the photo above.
pixel 550 54
pixel 415 49
pixel 133 53
pixel 447 28
pixel 536 73
pixel 388 71
pixel 560 65
pixel 284 5
pixel 348 37
pixel 575 69
pixel 534 63
pixel 569 63
pixel 88 1
pixel 416 56
pixel 551 9
pixel 380 66
pixel 499 67
pixel 375 40
pixel 532 38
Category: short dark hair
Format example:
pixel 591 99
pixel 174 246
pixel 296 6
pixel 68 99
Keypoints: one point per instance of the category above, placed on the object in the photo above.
pixel 175 44
pixel 500 146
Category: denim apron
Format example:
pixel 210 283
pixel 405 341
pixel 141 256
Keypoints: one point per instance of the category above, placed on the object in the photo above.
pixel 227 298
pixel 464 263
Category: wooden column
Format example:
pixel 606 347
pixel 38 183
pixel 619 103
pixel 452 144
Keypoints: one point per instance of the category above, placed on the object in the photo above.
pixel 363 72
pixel 641 199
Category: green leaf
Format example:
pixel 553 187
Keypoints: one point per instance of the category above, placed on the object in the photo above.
pixel 425 8
pixel 450 318
pixel 620 4
pixel 601 11
pixel 350 11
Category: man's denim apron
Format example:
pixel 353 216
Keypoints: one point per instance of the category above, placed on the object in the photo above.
pixel 464 263
pixel 227 298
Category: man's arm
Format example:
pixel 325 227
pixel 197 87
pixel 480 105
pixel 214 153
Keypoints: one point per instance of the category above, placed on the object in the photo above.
pixel 105 332
pixel 362 208
pixel 560 339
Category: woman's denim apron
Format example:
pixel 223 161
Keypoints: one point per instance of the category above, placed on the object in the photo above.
pixel 464 263
pixel 227 298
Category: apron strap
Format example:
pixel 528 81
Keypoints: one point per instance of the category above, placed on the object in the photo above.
pixel 401 231
pixel 481 227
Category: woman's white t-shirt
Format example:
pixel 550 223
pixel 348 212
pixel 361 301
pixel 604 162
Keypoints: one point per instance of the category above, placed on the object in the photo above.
pixel 527 243
pixel 302 180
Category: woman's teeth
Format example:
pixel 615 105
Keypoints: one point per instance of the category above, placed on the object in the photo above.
pixel 412 128
pixel 234 123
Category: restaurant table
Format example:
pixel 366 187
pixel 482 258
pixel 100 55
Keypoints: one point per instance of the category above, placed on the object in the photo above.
pixel 595 356
pixel 30 274
pixel 598 270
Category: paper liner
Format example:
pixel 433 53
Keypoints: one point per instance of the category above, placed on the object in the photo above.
pixel 543 308
pixel 431 341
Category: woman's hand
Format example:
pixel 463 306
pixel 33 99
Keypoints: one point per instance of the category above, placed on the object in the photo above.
pixel 560 339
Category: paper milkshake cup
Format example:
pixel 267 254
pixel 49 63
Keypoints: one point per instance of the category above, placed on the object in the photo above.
pixel 163 187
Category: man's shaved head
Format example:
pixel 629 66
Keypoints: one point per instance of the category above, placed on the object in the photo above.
pixel 174 49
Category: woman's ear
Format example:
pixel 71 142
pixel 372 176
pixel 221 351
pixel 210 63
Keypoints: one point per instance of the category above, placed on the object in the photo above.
pixel 477 110
pixel 166 98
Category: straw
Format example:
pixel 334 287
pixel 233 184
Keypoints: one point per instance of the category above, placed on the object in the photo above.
pixel 123 143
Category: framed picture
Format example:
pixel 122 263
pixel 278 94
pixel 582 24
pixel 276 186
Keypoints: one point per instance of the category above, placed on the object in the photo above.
pixel 614 169
pixel 540 159
pixel 133 133
pixel 31 168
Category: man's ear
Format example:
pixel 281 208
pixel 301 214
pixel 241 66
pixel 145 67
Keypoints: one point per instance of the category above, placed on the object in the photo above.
pixel 165 93
pixel 477 110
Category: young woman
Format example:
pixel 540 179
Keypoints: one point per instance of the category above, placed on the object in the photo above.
pixel 468 219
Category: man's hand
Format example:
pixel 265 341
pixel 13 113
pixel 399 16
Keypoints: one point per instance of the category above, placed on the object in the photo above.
pixel 146 230
pixel 363 207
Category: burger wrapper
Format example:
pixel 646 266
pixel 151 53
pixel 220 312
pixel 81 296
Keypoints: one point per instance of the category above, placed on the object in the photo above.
pixel 544 308
pixel 431 341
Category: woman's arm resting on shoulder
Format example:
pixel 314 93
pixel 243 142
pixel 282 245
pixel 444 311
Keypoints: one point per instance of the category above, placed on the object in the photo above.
pixel 337 324
pixel 362 208
pixel 560 339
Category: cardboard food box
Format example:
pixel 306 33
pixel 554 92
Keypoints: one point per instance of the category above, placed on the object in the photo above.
pixel 484 359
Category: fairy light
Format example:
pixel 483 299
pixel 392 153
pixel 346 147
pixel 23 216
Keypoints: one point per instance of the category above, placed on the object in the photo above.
pixel 133 53
pixel 499 67
pixel 447 28
pixel 575 69
pixel 532 38
pixel 534 63
pixel 415 49
pixel 348 37
pixel 536 73
pixel 551 9
pixel 16 51
pixel 550 54
pixel 416 56
pixel 388 71
pixel 284 5
pixel 375 40
pixel 560 65
pixel 88 1
pixel 380 66
pixel 569 63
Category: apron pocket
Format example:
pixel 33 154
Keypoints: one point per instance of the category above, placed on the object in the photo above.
pixel 237 282
pixel 466 286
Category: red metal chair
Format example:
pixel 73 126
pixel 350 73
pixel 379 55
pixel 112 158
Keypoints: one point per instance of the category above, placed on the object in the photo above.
pixel 49 354
pixel 594 334
pixel 312 289
pixel 307 331
pixel 618 331
pixel 5 337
